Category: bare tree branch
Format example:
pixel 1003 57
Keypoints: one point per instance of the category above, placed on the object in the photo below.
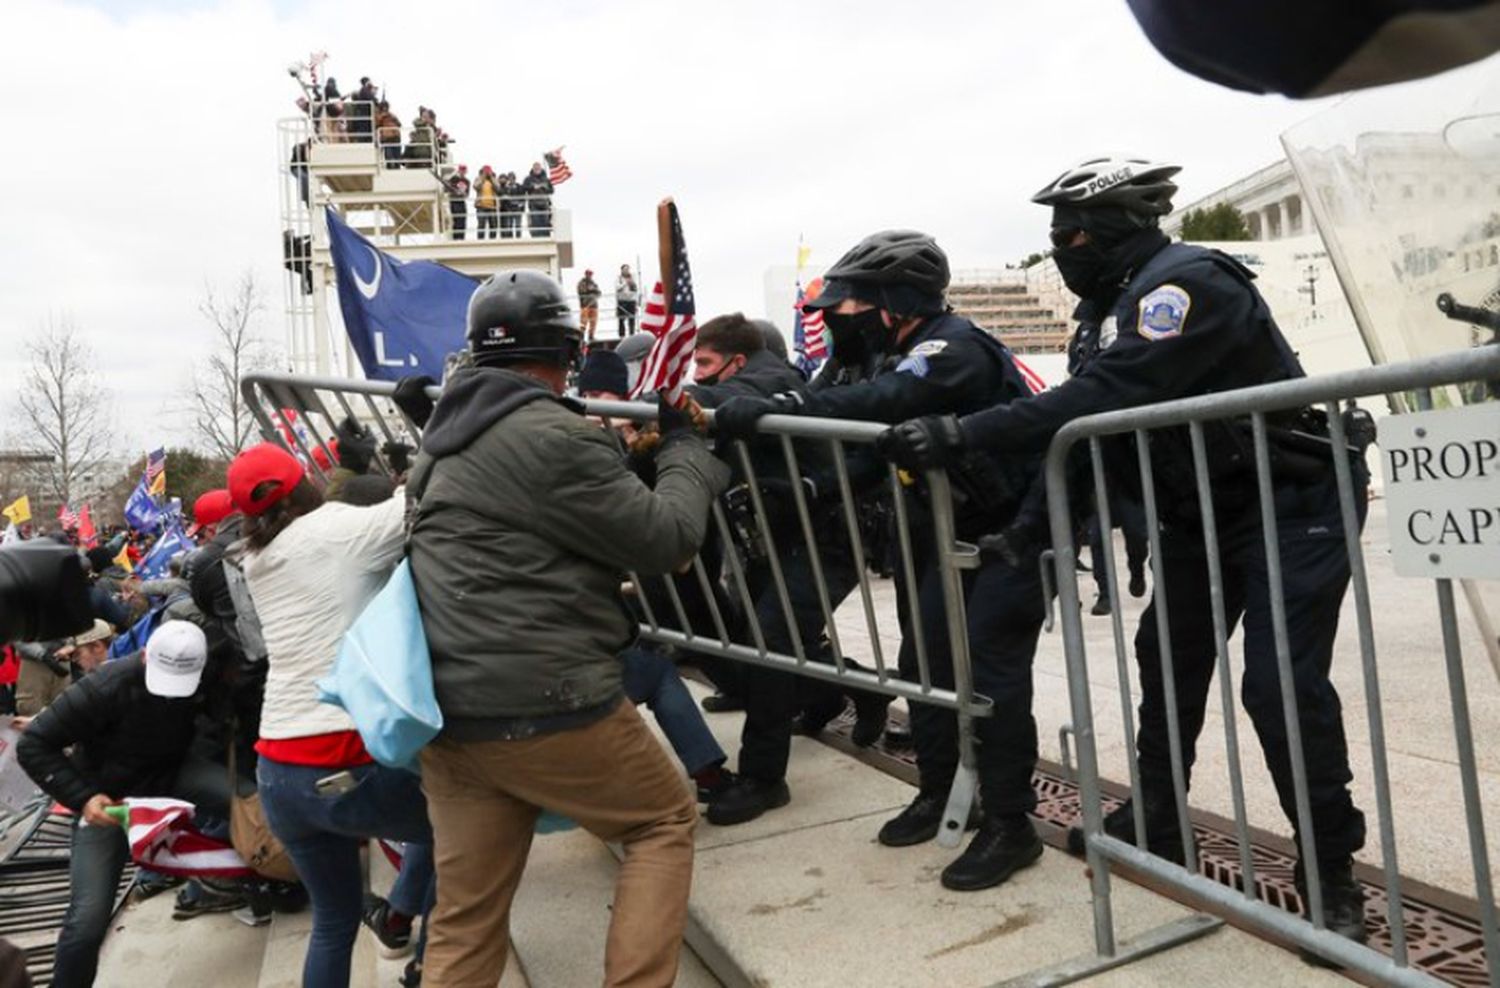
pixel 221 419
pixel 65 407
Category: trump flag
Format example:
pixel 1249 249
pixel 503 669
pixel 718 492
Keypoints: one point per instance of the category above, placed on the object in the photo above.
pixel 403 317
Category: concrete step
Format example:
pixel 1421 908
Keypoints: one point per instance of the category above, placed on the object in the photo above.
pixel 806 897
pixel 561 913
pixel 146 946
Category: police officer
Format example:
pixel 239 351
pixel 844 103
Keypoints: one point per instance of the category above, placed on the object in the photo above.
pixel 1174 320
pixel 732 359
pixel 888 291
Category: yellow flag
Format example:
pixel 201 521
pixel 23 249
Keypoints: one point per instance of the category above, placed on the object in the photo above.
pixel 19 512
pixel 123 561
pixel 159 485
pixel 803 253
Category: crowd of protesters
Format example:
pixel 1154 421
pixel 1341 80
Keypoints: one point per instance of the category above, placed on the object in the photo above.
pixel 500 201
pixel 364 116
pixel 519 517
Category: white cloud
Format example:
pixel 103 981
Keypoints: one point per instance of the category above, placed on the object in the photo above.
pixel 141 152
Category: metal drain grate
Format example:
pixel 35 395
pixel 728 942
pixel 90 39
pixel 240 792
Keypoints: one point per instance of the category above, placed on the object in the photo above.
pixel 1443 935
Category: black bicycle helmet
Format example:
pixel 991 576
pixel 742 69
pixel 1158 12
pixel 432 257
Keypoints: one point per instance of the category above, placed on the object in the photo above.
pixel 1133 184
pixel 522 315
pixel 894 257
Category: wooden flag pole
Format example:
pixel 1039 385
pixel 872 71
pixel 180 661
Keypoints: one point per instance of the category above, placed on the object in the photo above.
pixel 664 247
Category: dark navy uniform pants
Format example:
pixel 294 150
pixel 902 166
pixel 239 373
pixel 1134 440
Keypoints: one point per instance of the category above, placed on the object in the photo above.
pixel 1315 574
pixel 1005 610
pixel 773 697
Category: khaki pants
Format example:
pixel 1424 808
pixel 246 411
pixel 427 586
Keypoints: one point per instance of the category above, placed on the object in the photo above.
pixel 615 780
pixel 36 688
pixel 588 320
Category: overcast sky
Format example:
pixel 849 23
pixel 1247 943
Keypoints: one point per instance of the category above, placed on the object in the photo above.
pixel 141 158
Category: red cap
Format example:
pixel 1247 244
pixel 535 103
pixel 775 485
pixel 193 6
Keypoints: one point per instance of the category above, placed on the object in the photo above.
pixel 321 458
pixel 463 168
pixel 212 507
pixel 261 464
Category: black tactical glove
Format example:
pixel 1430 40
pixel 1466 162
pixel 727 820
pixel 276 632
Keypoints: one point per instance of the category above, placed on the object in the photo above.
pixel 411 397
pixel 398 455
pixel 356 446
pixel 926 443
pixel 671 420
pixel 737 417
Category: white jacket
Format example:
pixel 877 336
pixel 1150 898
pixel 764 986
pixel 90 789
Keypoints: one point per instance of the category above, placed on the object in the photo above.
pixel 309 585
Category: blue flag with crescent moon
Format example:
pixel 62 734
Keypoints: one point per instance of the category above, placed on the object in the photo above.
pixel 403 317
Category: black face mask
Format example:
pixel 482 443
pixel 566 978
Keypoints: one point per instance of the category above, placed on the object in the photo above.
pixel 867 328
pixel 1081 267
pixel 715 377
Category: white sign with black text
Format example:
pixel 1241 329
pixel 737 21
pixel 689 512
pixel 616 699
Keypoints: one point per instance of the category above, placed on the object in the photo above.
pixel 1442 488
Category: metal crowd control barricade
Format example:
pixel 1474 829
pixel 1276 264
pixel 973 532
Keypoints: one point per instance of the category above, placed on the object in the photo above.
pixel 303 412
pixel 1104 851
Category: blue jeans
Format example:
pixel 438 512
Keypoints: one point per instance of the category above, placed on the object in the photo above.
pixel 324 834
pixel 411 892
pixel 652 679
pixel 98 858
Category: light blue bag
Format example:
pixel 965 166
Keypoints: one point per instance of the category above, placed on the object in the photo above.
pixel 383 679
pixel 383 675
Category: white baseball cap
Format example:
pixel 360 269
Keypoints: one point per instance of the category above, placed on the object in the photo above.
pixel 175 656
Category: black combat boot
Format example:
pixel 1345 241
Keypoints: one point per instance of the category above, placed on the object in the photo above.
pixel 1343 904
pixel 919 822
pixel 747 799
pixel 1163 835
pixel 1002 847
pixel 916 824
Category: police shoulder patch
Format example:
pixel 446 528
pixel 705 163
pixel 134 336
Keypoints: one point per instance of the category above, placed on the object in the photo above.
pixel 928 347
pixel 915 363
pixel 1163 312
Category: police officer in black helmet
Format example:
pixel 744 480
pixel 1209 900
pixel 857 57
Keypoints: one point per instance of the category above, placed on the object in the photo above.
pixel 887 293
pixel 1174 320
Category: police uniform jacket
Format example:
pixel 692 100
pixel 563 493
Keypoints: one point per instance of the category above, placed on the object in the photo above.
pixel 1188 321
pixel 947 366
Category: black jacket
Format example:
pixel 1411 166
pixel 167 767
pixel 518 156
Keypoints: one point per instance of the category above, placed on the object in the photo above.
pixel 1188 321
pixel 124 740
pixel 763 375
pixel 947 366
pixel 538 189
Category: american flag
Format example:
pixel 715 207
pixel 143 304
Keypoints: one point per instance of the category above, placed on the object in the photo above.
pixel 809 330
pixel 672 323
pixel 557 168
pixel 67 518
pixel 156 472
pixel 162 837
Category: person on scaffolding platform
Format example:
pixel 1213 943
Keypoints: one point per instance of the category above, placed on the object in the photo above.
pixel 1176 320
pixel 889 292
pixel 537 186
